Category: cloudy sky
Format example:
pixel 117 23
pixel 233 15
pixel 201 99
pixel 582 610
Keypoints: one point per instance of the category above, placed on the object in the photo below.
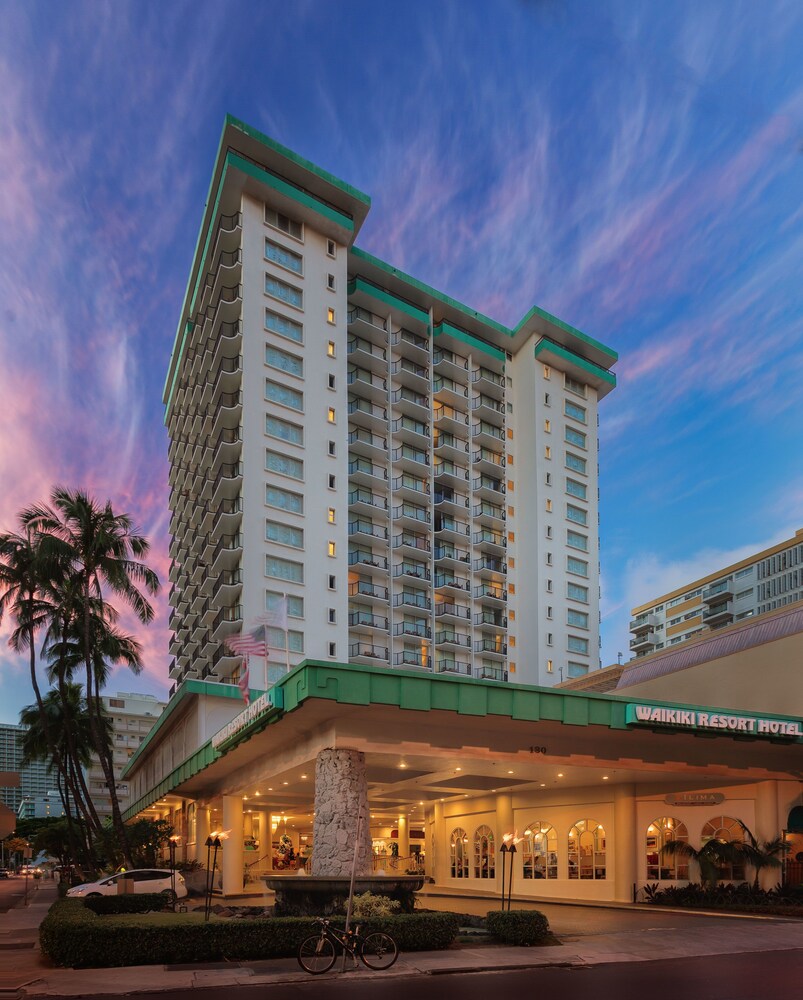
pixel 636 169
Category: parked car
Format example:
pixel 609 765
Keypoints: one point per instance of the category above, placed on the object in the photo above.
pixel 5 873
pixel 144 879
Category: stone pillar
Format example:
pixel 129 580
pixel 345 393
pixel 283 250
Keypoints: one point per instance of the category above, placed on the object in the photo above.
pixel 768 826
pixel 233 860
pixel 404 837
pixel 438 864
pixel 341 794
pixel 201 832
pixel 625 842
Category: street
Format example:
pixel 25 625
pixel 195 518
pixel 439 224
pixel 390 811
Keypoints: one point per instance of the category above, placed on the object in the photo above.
pixel 751 976
pixel 12 889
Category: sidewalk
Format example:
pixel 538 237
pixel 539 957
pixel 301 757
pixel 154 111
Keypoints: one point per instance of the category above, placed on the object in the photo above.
pixel 25 974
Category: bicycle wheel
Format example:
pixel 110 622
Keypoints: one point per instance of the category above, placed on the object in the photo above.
pixel 316 955
pixel 378 950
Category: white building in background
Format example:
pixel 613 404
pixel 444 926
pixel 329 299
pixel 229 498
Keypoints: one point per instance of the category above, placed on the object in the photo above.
pixel 37 780
pixel 755 586
pixel 132 717
pixel 48 806
pixel 419 480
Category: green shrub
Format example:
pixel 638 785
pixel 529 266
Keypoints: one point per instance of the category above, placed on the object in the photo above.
pixel 517 926
pixel 129 902
pixel 367 905
pixel 73 935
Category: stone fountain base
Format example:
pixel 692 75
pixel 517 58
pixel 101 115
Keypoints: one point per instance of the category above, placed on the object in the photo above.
pixel 323 895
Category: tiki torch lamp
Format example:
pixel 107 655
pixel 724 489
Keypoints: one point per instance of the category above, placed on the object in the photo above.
pixel 503 850
pixel 212 843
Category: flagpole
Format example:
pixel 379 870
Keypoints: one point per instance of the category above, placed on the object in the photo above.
pixel 265 637
pixel 286 637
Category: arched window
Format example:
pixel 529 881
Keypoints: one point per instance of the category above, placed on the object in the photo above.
pixel 191 823
pixel 665 866
pixel 540 852
pixel 484 853
pixel 587 850
pixel 724 829
pixel 458 850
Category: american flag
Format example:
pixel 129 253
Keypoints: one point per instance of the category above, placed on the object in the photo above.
pixel 244 683
pixel 246 645
pixel 277 617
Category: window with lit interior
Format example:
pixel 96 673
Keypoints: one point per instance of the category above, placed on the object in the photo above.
pixel 661 865
pixel 725 829
pixel 587 850
pixel 484 853
pixel 540 851
pixel 458 853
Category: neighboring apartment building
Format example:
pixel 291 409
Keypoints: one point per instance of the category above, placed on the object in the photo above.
pixel 132 717
pixel 766 581
pixel 417 480
pixel 36 778
pixel 47 806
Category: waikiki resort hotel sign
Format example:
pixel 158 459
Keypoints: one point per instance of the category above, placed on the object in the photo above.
pixel 711 721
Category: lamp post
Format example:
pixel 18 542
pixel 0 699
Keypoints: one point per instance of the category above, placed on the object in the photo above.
pixel 503 851
pixel 172 844
pixel 212 843
pixel 512 852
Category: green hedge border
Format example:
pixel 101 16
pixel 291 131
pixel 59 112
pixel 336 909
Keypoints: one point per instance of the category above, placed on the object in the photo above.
pixel 73 935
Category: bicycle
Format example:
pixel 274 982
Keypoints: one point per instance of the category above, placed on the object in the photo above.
pixel 317 953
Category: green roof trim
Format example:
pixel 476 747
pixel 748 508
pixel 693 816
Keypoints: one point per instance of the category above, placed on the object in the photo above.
pixel 192 765
pixel 369 288
pixel 429 290
pixel 544 344
pixel 277 147
pixel 447 329
pixel 543 314
pixel 214 690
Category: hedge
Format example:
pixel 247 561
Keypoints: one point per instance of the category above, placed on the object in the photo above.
pixel 72 935
pixel 517 926
pixel 129 902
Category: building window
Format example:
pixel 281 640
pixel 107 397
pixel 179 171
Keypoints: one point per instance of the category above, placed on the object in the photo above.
pixel 284 499
pixel 577 593
pixel 576 514
pixel 284 327
pixel 332 382
pixel 284 395
pixel 549 558
pixel 549 531
pixel 548 506
pixel 577 669
pixel 546 399
pixel 484 853
pixel 284 569
pixel 575 462
pixel 660 865
pixel 277 638
pixel 587 855
pixel 330 282
pixel 576 540
pixel 283 464
pixel 284 534
pixel 576 489
pixel 289 363
pixel 288 294
pixel 574 411
pixel 726 829
pixel 332 612
pixel 548 479
pixel 574 437
pixel 331 416
pixel 332 481
pixel 331 350
pixel 330 315
pixel 332 449
pixel 574 386
pixel 277 603
pixel 540 851
pixel 547 427
pixel 332 549
pixel 284 258
pixel 577 618
pixel 332 582
pixel 458 854
pixel 331 515
pixel 576 644
pixel 549 612
pixel 547 452
pixel 579 566
pixel 549 586
pixel 284 223
pixel 331 248
pixel 333 649
pixel 283 429
pixel 550 668
pixel 549 639
pixel 547 371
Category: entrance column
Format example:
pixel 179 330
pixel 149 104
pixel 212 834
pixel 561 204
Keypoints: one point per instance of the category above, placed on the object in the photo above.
pixel 201 831
pixel 404 837
pixel 232 863
pixel 341 795
pixel 768 826
pixel 504 824
pixel 624 842
pixel 438 865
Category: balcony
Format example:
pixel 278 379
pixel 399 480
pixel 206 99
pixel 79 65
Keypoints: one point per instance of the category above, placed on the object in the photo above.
pixel 412 658
pixel 450 528
pixel 366 444
pixel 411 570
pixel 413 599
pixel 488 409
pixel 362 413
pixel 411 344
pixel 488 382
pixel 447 418
pixel 366 355
pixel 227 585
pixel 450 501
pixel 449 446
pixel 449 554
pixel 408 457
pixel 491 514
pixel 450 474
pixel 410 515
pixel 362 530
pixel 718 592
pixel 368 591
pixel 227 413
pixel 644 623
pixel 450 637
pixel 227 516
pixel 368 385
pixel 228 553
pixel 450 364
pixel 366 473
pixel 491 619
pixel 718 615
pixel 418 629
pixel 367 619
pixel 227 622
pixel 446 390
pixel 487 539
pixel 411 403
pixel 450 581
pixel 362 322
pixel 489 488
pixel 227 484
pixel 410 431
pixel 365 652
pixel 643 643
pixel 449 666
pixel 491 593
pixel 489 461
pixel 410 487
pixel 412 541
pixel 367 561
pixel 407 372
pixel 490 646
pixel 489 565
pixel 224 341
pixel 485 672
pixel 452 613
pixel 362 501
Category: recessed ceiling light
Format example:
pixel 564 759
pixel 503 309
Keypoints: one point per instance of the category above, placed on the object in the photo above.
pixel 303 775
pixel 458 769
pixel 543 784
pixel 402 766
pixel 510 772
pixel 605 777
pixel 560 774
pixel 285 782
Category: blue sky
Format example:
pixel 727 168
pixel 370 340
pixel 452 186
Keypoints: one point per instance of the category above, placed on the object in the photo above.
pixel 636 169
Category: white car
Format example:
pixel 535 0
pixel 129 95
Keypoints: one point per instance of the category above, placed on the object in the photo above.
pixel 144 879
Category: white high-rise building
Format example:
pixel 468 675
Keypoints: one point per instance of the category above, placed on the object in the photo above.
pixel 420 481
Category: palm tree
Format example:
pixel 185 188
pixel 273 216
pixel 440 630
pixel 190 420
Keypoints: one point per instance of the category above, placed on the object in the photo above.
pixel 104 551
pixel 710 857
pixel 765 854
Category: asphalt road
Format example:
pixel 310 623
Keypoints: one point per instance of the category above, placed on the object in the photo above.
pixel 12 889
pixel 753 976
